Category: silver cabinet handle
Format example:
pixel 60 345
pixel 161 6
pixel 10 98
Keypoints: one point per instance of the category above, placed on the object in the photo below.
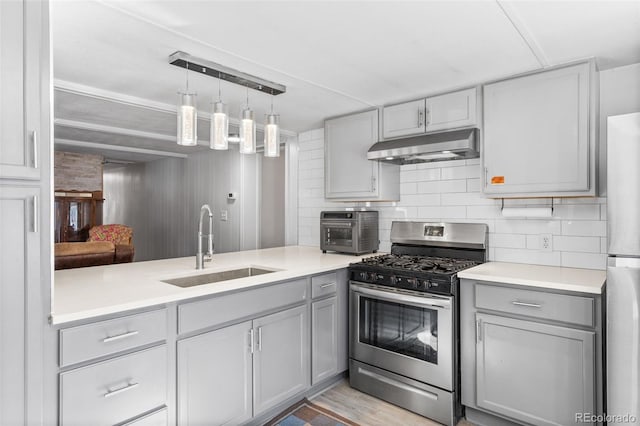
pixel 529 305
pixel 259 339
pixel 119 336
pixel 327 285
pixel 34 141
pixel 121 390
pixel 478 330
pixel 420 117
pixel 36 214
pixel 251 333
pixel 373 184
pixel 427 114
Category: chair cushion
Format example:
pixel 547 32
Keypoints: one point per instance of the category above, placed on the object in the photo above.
pixel 76 249
pixel 117 234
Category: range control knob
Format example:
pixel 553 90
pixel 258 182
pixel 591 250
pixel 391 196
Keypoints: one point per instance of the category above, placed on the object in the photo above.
pixel 378 277
pixel 413 282
pixel 363 276
pixel 393 280
pixel 427 284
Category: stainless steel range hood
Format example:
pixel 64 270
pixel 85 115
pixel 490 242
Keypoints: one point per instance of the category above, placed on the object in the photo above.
pixel 454 145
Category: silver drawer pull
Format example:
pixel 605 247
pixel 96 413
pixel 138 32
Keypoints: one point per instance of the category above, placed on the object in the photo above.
pixel 124 389
pixel 529 305
pixel 119 336
pixel 326 285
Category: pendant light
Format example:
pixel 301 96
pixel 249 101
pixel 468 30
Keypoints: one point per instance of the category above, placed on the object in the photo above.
pixel 187 134
pixel 272 134
pixel 247 130
pixel 219 138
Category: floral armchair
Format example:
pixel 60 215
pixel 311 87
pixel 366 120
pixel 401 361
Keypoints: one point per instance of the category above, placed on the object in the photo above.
pixel 120 235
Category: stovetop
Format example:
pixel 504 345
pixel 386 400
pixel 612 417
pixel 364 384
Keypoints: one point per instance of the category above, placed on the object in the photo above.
pixel 427 274
pixel 431 264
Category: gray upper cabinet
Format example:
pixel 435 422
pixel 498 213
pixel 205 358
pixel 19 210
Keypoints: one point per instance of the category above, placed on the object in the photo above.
pixel 443 112
pixel 536 373
pixel 21 30
pixel 215 378
pixel 539 134
pixel 349 176
pixel 281 357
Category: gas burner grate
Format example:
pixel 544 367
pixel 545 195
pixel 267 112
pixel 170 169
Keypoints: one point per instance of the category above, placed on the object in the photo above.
pixel 437 265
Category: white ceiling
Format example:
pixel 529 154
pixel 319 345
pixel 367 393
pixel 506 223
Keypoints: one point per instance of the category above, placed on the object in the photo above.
pixel 334 57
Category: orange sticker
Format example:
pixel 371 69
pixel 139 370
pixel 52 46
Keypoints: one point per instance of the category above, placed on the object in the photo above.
pixel 497 180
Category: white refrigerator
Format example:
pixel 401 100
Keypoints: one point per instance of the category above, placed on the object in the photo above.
pixel 623 269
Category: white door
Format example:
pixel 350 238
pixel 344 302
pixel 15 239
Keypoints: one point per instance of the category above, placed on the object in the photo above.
pixel 451 110
pixel 403 119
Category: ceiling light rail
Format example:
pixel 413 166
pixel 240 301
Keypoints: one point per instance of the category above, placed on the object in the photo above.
pixel 212 69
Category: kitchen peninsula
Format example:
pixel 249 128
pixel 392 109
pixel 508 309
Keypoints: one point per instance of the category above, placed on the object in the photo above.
pixel 230 352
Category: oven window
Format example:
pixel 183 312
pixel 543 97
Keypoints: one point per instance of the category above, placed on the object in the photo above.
pixel 404 329
pixel 339 236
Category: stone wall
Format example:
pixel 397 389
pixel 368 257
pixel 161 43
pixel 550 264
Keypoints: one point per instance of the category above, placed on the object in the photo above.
pixel 77 172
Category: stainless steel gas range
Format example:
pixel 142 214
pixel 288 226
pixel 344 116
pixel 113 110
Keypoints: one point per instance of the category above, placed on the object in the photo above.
pixel 403 320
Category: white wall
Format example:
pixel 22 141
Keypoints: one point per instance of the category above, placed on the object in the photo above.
pixel 161 201
pixel 450 191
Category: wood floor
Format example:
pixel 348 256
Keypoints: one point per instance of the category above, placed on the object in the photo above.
pixel 368 410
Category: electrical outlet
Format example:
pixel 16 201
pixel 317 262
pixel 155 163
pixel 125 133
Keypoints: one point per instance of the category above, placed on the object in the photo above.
pixel 546 242
pixel 224 215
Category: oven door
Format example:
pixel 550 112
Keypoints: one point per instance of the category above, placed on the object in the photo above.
pixel 339 236
pixel 405 332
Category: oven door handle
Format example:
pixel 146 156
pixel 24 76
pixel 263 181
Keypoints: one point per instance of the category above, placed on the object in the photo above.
pixel 337 224
pixel 426 300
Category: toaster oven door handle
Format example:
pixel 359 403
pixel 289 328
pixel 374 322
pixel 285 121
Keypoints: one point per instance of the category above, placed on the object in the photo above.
pixel 337 224
pixel 392 296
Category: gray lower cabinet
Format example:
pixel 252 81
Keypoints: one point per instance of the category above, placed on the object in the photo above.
pixel 528 355
pixel 227 376
pixel 324 345
pixel 281 357
pixel 523 367
pixel 215 377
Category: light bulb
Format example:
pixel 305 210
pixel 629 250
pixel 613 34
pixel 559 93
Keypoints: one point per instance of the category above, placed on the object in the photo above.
pixel 272 136
pixel 219 127
pixel 187 134
pixel 247 132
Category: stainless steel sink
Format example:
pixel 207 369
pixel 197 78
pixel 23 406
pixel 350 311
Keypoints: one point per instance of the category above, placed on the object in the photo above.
pixel 215 277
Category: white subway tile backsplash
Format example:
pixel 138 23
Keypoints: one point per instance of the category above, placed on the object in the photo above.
pixel 577 211
pixel 576 244
pixel 508 240
pixel 527 256
pixel 528 226
pixel 584 260
pixel 451 191
pixel 589 228
pixel 440 186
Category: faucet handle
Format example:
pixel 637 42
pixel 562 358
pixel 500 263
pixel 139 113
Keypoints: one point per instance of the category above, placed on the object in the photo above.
pixel 208 257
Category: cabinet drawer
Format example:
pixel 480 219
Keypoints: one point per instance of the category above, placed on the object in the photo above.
pixel 323 285
pixel 113 391
pixel 157 418
pixel 557 307
pixel 94 340
pixel 218 310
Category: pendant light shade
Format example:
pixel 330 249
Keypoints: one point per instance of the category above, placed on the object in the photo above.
pixel 272 136
pixel 247 132
pixel 219 127
pixel 187 134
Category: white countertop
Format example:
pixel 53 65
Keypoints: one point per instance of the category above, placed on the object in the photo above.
pixel 549 277
pixel 83 293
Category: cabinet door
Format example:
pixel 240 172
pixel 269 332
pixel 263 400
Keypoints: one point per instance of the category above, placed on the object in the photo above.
pixel 20 88
pixel 214 377
pixel 281 359
pixel 536 373
pixel 451 110
pixel 403 119
pixel 537 133
pixel 324 336
pixel 348 173
pixel 19 300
